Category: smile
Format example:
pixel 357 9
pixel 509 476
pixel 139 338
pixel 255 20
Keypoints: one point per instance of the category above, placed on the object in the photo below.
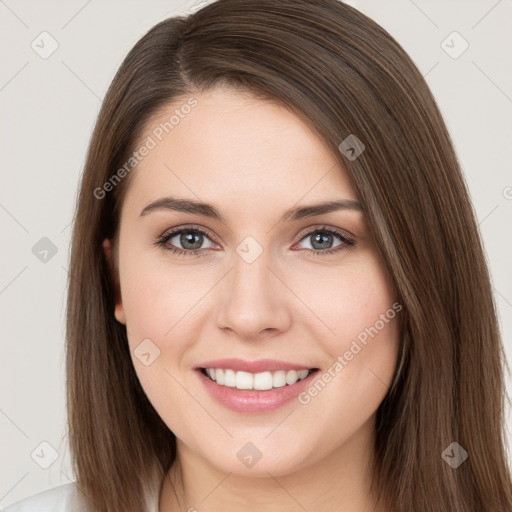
pixel 254 387
pixel 261 381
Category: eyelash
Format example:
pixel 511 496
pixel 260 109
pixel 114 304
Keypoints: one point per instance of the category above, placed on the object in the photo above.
pixel 163 240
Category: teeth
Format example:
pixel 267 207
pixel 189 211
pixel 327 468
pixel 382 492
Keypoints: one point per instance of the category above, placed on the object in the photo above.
pixel 243 380
pixel 263 381
pixel 279 379
pixel 229 378
pixel 303 374
pixel 259 381
pixel 219 376
pixel 292 376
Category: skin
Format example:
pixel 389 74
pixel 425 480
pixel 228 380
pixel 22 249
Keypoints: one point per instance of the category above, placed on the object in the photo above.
pixel 254 159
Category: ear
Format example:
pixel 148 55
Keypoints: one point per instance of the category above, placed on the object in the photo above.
pixel 119 310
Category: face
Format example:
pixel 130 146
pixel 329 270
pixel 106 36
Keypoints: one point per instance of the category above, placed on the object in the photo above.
pixel 292 315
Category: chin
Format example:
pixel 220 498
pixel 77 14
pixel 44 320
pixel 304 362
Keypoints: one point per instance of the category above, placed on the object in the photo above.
pixel 250 461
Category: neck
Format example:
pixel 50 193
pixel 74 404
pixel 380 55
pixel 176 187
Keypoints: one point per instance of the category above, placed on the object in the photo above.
pixel 341 481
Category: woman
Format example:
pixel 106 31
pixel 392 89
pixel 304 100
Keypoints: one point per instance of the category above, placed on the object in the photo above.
pixel 278 297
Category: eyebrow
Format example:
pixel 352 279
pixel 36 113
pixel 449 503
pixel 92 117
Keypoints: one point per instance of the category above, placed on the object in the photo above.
pixel 208 210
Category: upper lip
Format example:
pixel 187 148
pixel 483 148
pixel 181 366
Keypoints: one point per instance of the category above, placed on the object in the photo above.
pixel 261 365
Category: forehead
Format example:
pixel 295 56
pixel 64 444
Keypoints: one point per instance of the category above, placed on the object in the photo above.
pixel 228 146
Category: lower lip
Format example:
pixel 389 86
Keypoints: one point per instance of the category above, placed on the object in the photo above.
pixel 252 401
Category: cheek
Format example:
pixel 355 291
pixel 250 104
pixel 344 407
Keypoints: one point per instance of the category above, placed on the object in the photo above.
pixel 363 319
pixel 161 320
pixel 164 308
pixel 167 304
pixel 160 299
pixel 346 301
pixel 339 308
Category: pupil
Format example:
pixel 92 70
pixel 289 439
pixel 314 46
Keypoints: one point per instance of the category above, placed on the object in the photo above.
pixel 324 240
pixel 191 240
pixel 194 240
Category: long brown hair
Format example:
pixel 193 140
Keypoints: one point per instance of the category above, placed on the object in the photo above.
pixel 344 75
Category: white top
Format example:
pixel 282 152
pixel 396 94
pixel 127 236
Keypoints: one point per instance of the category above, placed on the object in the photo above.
pixel 64 498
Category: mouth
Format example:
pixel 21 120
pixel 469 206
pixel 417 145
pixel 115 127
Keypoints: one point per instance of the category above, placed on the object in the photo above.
pixel 261 381
pixel 254 387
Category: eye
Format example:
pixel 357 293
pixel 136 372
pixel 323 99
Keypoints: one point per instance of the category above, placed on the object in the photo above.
pixel 188 241
pixel 323 240
pixel 185 241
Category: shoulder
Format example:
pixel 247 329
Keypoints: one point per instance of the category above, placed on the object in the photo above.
pixel 64 498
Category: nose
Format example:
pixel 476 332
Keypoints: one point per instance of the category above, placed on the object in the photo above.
pixel 253 301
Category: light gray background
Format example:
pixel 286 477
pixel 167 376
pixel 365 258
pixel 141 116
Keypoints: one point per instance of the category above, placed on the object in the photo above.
pixel 49 106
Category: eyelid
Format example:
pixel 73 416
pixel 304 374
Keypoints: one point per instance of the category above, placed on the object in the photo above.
pixel 345 236
pixel 343 233
pixel 190 227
